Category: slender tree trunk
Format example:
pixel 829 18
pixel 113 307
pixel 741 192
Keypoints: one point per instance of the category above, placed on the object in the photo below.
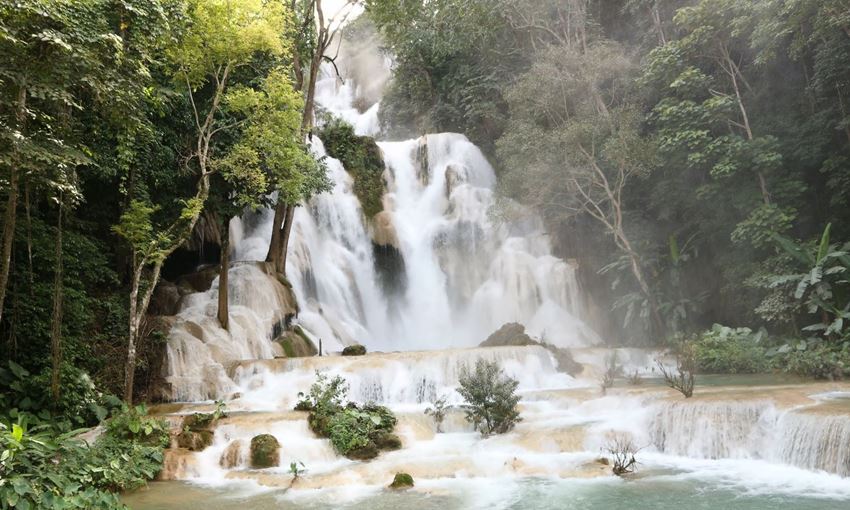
pixel 656 21
pixel 733 73
pixel 8 234
pixel 29 235
pixel 10 215
pixel 56 326
pixel 130 365
pixel 223 315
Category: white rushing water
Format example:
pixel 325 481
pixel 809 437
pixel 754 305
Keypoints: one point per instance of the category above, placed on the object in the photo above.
pixel 461 275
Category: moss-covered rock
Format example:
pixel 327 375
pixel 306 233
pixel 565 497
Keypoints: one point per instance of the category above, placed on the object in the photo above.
pixel 354 350
pixel 195 440
pixel 296 344
pixel 264 451
pixel 402 481
pixel 387 441
pixel 367 452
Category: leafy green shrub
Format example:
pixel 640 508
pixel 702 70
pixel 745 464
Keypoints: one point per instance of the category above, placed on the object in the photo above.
pixel 361 157
pixel 725 350
pixel 132 424
pixel 491 398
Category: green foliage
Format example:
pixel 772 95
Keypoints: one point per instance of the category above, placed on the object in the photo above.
pixel 42 469
pixel 437 411
pixel 131 424
pixel 725 350
pixel 490 397
pixel 361 157
pixel 355 431
pixel 224 32
pixel 823 288
pixel 816 359
pixel 270 154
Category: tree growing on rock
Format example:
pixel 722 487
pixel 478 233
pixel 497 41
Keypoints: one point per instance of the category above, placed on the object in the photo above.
pixel 491 399
pixel 682 379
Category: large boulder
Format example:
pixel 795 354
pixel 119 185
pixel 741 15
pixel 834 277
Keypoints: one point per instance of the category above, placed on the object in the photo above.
pixel 265 451
pixel 510 334
pixel 195 440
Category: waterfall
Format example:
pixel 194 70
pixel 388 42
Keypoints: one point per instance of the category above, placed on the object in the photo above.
pixel 199 349
pixel 750 429
pixel 459 274
pixel 408 378
pixel 814 441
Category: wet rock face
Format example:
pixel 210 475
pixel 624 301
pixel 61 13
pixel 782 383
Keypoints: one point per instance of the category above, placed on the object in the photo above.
pixel 402 481
pixel 264 451
pixel 232 455
pixel 165 299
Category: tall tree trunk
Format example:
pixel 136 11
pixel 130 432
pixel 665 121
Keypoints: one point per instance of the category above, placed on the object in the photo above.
pixel 8 234
pixel 223 315
pixel 284 242
pixel 10 215
pixel 56 326
pixel 274 245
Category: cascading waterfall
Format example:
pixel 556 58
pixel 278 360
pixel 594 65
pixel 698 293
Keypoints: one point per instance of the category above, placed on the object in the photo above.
pixel 464 274
pixel 752 430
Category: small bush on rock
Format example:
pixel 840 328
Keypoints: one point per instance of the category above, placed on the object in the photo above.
pixel 491 398
pixel 358 432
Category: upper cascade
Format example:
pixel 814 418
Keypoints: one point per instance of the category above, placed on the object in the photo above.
pixel 459 274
